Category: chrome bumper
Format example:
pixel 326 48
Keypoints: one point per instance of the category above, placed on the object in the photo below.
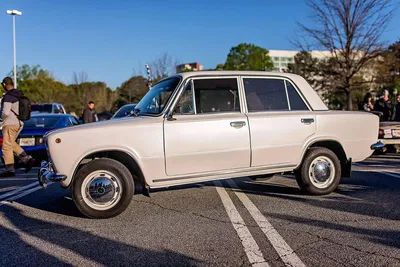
pixel 377 146
pixel 46 174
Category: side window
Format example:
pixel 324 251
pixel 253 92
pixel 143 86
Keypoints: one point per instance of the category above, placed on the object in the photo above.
pixel 296 103
pixel 216 95
pixel 265 94
pixel 185 104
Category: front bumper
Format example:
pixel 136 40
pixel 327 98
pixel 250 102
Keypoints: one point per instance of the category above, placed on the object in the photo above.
pixel 46 174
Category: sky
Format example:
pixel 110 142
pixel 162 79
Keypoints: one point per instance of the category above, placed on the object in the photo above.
pixel 113 40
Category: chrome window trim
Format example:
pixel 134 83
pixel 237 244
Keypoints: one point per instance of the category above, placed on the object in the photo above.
pixel 191 79
pixel 285 79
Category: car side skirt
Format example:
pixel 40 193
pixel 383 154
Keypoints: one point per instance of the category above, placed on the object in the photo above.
pixel 181 180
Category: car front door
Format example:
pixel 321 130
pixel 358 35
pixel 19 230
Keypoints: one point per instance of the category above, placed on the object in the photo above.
pixel 280 121
pixel 208 131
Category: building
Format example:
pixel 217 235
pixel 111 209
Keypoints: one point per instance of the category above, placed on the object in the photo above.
pixel 282 58
pixel 189 67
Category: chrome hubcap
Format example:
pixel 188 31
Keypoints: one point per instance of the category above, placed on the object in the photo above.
pixel 101 190
pixel 322 172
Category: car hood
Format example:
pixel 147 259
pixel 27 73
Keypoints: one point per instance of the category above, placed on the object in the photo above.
pixel 90 127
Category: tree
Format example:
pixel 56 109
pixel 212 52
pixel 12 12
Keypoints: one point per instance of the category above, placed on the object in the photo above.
pixel 248 57
pixel 351 30
pixel 388 69
pixel 131 91
pixel 306 66
pixel 163 66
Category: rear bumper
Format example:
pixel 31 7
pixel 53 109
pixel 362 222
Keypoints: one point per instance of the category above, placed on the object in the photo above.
pixel 390 141
pixel 46 174
pixel 377 146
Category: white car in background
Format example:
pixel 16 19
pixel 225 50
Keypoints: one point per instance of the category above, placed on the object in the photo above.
pixel 209 125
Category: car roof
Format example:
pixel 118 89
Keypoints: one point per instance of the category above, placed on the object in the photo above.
pixel 309 93
pixel 49 115
pixel 45 103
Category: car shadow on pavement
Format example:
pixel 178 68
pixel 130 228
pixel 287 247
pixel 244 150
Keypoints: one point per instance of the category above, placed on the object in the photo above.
pixel 376 198
pixel 385 237
pixel 28 241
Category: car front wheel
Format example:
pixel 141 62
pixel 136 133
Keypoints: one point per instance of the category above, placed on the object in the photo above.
pixel 103 188
pixel 320 172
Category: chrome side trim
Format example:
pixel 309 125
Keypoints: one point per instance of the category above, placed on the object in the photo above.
pixel 224 173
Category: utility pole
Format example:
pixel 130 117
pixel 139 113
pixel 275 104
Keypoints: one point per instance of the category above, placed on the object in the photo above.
pixel 14 13
pixel 148 75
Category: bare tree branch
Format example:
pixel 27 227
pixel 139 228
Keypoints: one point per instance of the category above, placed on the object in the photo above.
pixel 351 30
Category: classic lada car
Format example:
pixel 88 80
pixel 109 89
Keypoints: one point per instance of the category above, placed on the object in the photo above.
pixel 389 135
pixel 208 125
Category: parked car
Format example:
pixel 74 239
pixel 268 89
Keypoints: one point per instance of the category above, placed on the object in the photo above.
pixel 389 135
pixel 48 108
pixel 31 138
pixel 202 126
pixel 124 111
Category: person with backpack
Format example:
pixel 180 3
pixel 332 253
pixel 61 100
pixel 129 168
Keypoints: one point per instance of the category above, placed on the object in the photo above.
pixel 15 108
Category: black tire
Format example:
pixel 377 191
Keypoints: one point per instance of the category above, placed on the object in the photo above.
pixel 305 178
pixel 119 176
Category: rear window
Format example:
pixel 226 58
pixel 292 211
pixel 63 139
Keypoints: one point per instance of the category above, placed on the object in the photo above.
pixel 41 122
pixel 42 108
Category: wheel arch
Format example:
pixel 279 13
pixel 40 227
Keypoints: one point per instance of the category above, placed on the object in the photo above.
pixel 337 148
pixel 121 156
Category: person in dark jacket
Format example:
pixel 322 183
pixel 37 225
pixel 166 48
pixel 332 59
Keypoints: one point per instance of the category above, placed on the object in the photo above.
pixel 89 114
pixel 11 127
pixel 366 105
pixel 385 106
pixel 397 117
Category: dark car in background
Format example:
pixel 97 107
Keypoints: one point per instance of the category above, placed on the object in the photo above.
pixel 48 108
pixel 31 137
pixel 124 111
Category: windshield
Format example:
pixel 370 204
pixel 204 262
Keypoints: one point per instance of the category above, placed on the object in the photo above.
pixel 154 101
pixel 123 112
pixel 42 108
pixel 41 122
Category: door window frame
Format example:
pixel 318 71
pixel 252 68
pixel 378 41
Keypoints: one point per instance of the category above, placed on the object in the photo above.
pixel 244 101
pixel 191 81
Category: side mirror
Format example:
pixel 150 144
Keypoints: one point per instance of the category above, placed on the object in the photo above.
pixel 170 116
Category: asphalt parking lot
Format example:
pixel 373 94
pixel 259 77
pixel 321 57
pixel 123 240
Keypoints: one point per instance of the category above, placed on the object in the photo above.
pixel 227 223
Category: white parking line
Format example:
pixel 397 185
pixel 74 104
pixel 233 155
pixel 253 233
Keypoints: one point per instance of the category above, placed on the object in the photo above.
pixel 395 175
pixel 18 190
pixel 282 248
pixel 251 248
pixel 24 193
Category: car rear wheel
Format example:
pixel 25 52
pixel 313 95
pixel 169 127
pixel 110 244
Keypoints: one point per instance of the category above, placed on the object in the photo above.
pixel 320 172
pixel 103 188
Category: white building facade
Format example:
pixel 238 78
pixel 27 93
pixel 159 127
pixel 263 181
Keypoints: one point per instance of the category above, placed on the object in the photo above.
pixel 282 58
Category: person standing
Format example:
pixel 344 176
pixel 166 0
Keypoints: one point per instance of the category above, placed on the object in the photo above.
pixel 12 126
pixel 385 106
pixel 397 117
pixel 89 114
pixel 367 105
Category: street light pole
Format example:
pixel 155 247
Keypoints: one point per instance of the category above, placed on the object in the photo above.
pixel 13 13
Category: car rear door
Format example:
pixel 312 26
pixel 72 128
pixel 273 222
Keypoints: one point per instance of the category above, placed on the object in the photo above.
pixel 208 132
pixel 280 121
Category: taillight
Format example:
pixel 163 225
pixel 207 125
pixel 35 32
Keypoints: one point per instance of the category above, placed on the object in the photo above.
pixel 381 133
pixel 1 141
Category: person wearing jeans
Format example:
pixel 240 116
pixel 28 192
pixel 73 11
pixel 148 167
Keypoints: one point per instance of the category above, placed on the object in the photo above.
pixel 12 126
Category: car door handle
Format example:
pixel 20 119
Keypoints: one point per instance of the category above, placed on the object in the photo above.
pixel 307 120
pixel 238 124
